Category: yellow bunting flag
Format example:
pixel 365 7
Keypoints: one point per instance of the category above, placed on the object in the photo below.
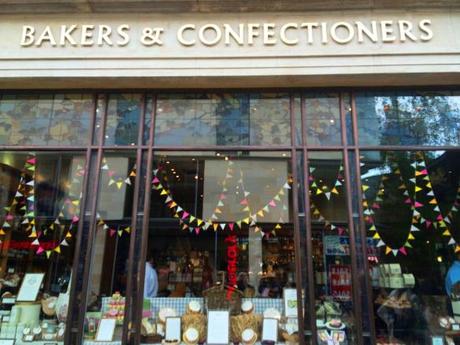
pixel 446 233
pixel 376 236
pixel 387 250
pixel 215 225
pixel 364 187
pixel 57 249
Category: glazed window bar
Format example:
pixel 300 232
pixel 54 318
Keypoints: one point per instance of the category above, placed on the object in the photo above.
pixel 239 217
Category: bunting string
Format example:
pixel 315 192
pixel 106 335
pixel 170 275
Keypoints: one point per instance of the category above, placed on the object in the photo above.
pixel 370 207
pixel 195 224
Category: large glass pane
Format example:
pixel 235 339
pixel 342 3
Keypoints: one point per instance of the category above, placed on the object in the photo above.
pixel 410 202
pixel 123 118
pixel 40 206
pixel 408 118
pixel 222 119
pixel 322 119
pixel 109 261
pixel 221 238
pixel 45 119
pixel 331 249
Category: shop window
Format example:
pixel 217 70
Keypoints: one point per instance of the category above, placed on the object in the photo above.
pixel 45 119
pixel 222 119
pixel 40 198
pixel 109 260
pixel 322 119
pixel 408 118
pixel 332 265
pixel 410 202
pixel 123 118
pixel 221 237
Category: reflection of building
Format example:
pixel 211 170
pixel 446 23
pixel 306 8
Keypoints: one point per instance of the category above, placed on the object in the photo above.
pixel 195 135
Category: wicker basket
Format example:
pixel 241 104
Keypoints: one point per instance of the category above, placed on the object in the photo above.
pixel 215 298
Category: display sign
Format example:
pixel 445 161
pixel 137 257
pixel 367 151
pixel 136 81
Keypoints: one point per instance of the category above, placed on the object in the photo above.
pixel 290 302
pixel 106 330
pixel 173 325
pixel 30 286
pixel 270 330
pixel 218 327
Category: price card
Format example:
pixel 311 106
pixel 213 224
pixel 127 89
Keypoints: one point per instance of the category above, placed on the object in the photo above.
pixel 218 327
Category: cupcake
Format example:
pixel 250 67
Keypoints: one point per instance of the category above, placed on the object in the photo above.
pixel 272 313
pixel 191 336
pixel 194 307
pixel 248 337
pixel 247 307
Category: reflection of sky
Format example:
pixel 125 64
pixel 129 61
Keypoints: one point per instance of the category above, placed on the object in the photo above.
pixel 418 119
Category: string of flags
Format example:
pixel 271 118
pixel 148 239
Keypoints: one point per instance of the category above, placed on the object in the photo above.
pixel 425 208
pixel 195 224
pixel 440 221
pixel 72 204
pixel 318 187
pixel 115 178
pixel 23 200
pixel 327 224
pixel 369 211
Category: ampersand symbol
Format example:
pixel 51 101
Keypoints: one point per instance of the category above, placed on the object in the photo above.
pixel 151 36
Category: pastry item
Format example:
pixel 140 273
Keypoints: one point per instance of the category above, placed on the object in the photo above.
pixel 191 336
pixel 49 306
pixel 166 312
pixel 272 313
pixel 248 337
pixel 194 307
pixel 247 307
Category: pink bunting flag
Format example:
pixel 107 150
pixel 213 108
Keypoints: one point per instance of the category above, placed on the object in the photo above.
pixel 231 225
pixel 75 219
pixel 439 217
pixel 375 205
pixel 197 230
pixel 222 197
pixel 340 230
pixel 185 214
pixel 31 161
pixel 9 217
pixel 417 204
pixel 40 250
pixel 155 180
pixel 272 203
pixel 428 223
pixel 244 202
pixel 403 250
pixel 408 201
pixel 111 173
pixel 424 172
pixel 112 232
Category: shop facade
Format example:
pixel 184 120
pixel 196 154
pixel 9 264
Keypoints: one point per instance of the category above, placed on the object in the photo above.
pixel 238 173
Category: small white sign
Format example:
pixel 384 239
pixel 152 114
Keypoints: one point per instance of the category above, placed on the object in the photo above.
pixel 218 327
pixel 106 330
pixel 437 341
pixel 30 287
pixel 270 330
pixel 173 329
pixel 290 302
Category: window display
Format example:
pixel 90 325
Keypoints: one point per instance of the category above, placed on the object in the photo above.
pixel 40 197
pixel 331 248
pixel 108 278
pixel 245 229
pixel 220 238
pixel 410 202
